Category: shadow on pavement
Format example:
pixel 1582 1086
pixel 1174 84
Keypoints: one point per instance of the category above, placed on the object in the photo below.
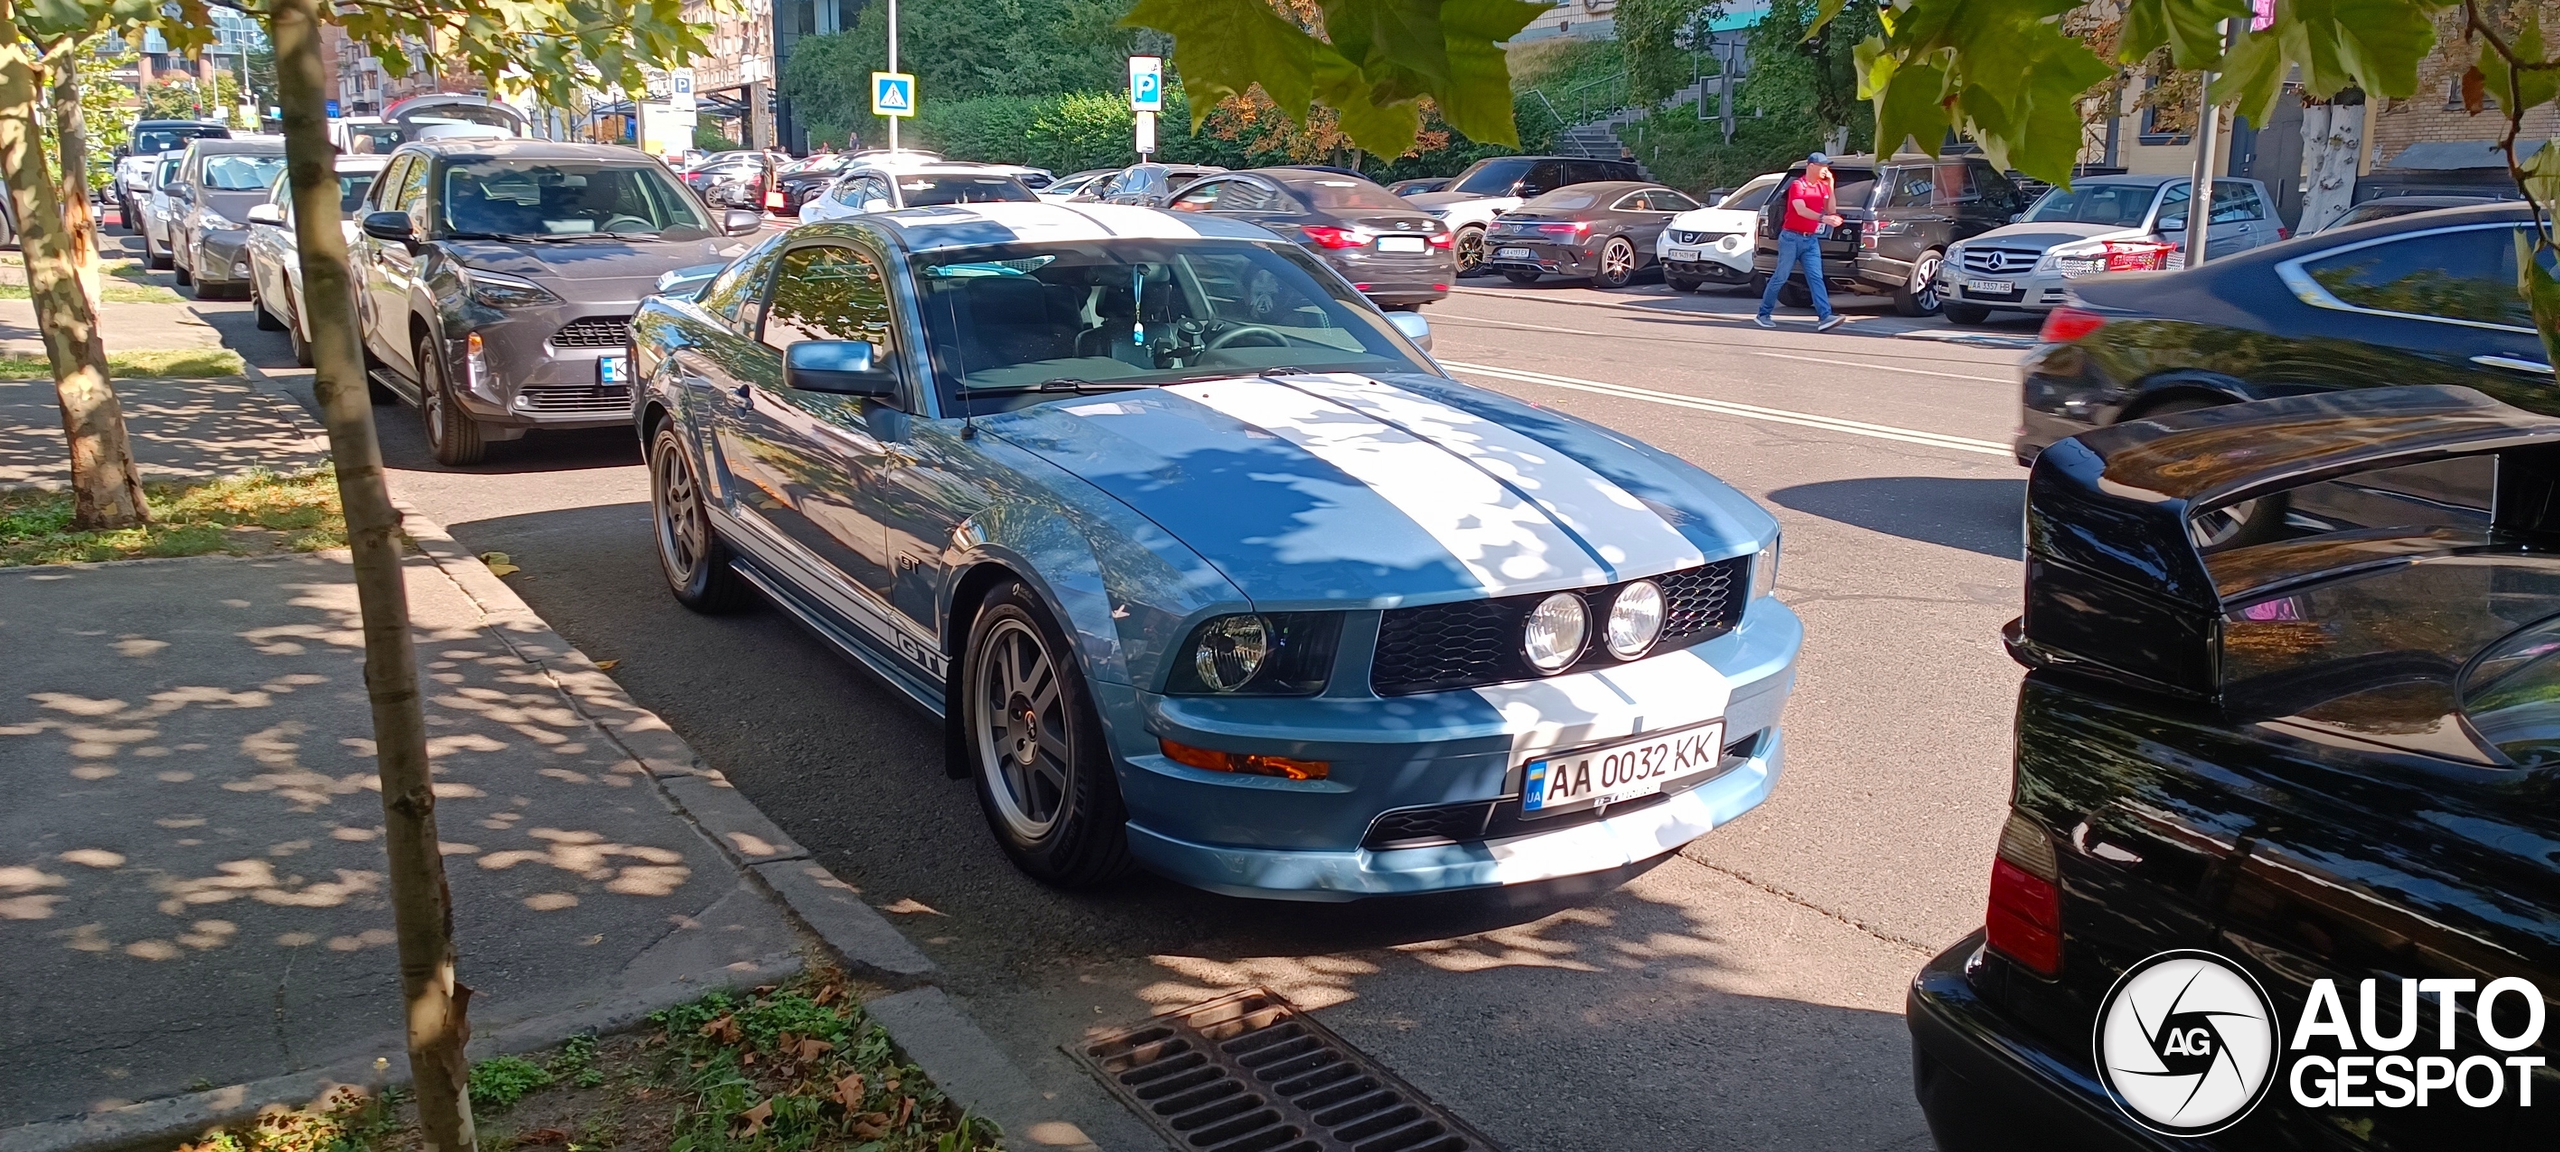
pixel 180 429
pixel 1976 515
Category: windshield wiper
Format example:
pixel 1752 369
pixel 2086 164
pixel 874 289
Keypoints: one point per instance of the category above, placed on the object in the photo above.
pixel 1058 384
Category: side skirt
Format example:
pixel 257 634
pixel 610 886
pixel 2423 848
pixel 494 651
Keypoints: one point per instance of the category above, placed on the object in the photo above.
pixel 924 694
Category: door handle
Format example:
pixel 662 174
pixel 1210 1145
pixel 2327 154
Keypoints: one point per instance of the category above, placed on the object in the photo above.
pixel 2514 364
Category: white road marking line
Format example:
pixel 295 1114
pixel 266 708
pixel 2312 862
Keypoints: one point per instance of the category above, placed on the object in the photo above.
pixel 1883 367
pixel 1745 411
pixel 1454 318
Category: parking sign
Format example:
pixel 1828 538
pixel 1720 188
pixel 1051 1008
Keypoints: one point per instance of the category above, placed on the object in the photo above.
pixel 1146 84
pixel 893 94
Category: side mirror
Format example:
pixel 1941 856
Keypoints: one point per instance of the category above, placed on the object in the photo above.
pixel 740 221
pixel 875 204
pixel 2174 224
pixel 266 214
pixel 392 226
pixel 1414 327
pixel 840 367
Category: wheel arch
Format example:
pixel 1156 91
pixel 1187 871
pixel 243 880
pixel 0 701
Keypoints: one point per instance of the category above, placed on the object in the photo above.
pixel 2184 384
pixel 968 594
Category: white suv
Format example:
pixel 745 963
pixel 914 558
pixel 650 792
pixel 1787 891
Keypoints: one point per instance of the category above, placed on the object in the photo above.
pixel 888 183
pixel 1493 186
pixel 1712 245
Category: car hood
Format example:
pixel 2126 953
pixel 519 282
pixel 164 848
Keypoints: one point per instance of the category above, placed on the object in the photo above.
pixel 593 269
pixel 234 206
pixel 2050 234
pixel 1342 490
pixel 1716 220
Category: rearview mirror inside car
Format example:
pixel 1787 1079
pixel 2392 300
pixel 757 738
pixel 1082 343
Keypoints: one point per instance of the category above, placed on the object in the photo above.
pixel 839 367
pixel 740 221
pixel 1414 327
pixel 389 226
pixel 265 214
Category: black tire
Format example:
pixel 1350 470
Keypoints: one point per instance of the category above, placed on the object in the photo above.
pixel 452 434
pixel 1794 294
pixel 691 554
pixel 1966 315
pixel 267 321
pixel 1918 295
pixel 2240 525
pixel 1056 809
pixel 185 277
pixel 302 348
pixel 1468 247
pixel 1517 276
pixel 1681 283
pixel 1618 261
pixel 152 257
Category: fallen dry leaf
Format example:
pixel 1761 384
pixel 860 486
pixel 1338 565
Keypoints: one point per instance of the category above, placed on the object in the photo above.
pixel 910 906
pixel 810 1050
pixel 500 564
pixel 906 1110
pixel 755 1118
pixel 749 1058
pixel 849 1092
pixel 872 1126
pixel 827 995
pixel 607 665
pixel 724 1029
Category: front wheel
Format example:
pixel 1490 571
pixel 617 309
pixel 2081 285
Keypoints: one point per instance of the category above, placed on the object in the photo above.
pixel 1919 295
pixel 452 434
pixel 267 321
pixel 690 554
pixel 185 275
pixel 1035 746
pixel 1967 315
pixel 1469 246
pixel 1617 264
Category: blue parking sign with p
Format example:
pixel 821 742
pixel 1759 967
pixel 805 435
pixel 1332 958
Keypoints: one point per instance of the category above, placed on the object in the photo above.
pixel 1146 84
pixel 893 94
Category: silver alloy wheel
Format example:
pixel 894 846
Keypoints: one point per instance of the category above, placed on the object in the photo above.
pixel 1470 249
pixel 1023 738
pixel 1924 280
pixel 679 506
pixel 432 405
pixel 1618 260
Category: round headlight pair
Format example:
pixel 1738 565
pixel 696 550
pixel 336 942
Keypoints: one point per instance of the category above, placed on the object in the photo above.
pixel 1559 626
pixel 1232 649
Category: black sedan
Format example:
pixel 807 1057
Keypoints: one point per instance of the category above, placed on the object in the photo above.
pixel 1394 253
pixel 802 182
pixel 2282 864
pixel 1604 230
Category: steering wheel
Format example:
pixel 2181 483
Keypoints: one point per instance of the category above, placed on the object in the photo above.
pixel 1270 339
pixel 620 219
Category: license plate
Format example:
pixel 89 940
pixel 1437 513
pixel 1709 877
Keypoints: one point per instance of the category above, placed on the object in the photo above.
pixel 1992 287
pixel 613 370
pixel 1624 771
pixel 1681 254
pixel 1400 244
pixel 1511 254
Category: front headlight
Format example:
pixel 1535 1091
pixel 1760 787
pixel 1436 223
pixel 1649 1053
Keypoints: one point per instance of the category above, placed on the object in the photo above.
pixel 1555 631
pixel 1257 654
pixel 1764 570
pixel 210 219
pixel 1635 619
pixel 496 290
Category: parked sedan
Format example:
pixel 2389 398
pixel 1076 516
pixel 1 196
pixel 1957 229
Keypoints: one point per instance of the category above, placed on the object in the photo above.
pixel 1147 185
pixel 1390 250
pixel 275 259
pixel 1713 245
pixel 1605 230
pixel 1418 186
pixel 1260 599
pixel 208 201
pixel 2387 207
pixel 2278 866
pixel 159 211
pixel 889 183
pixel 734 179
pixel 1069 186
pixel 2099 224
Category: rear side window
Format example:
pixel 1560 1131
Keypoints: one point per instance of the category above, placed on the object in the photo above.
pixel 924 191
pixel 1910 188
pixel 2464 275
pixel 1202 197
pixel 2233 203
pixel 1956 184
pixel 1250 196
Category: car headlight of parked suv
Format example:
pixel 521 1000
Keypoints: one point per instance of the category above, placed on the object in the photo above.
pixel 498 290
pixel 211 221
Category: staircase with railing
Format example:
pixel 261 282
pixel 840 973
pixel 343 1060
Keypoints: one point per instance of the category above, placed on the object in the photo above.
pixel 1591 113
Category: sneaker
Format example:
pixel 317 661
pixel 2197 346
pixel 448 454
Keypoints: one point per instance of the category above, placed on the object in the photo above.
pixel 1831 323
pixel 1764 321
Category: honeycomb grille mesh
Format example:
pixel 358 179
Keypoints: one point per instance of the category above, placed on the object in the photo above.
pixel 594 332
pixel 1441 647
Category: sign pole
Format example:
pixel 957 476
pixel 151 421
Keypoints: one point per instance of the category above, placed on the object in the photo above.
pixel 893 66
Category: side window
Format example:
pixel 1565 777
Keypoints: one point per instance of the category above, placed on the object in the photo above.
pixel 1909 188
pixel 1201 197
pixel 1248 196
pixel 732 295
pixel 2466 275
pixel 408 197
pixel 2173 208
pixel 1666 200
pixel 1633 202
pixel 828 292
pixel 849 190
pixel 1544 176
pixel 1587 171
pixel 1996 188
pixel 2235 202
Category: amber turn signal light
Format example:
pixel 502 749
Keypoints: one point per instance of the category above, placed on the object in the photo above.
pixel 1248 763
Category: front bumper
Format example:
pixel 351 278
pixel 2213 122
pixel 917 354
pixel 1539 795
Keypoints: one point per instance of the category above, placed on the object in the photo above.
pixel 1544 256
pixel 1725 260
pixel 1985 1085
pixel 532 374
pixel 221 257
pixel 2036 291
pixel 1258 836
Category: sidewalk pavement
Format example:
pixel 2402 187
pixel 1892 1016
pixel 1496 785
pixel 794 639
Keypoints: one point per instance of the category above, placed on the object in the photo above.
pixel 192 900
pixel 128 327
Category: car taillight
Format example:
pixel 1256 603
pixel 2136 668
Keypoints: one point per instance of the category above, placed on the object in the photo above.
pixel 2136 255
pixel 773 199
pixel 2283 233
pixel 2025 919
pixel 1442 239
pixel 1328 236
pixel 1571 231
pixel 2064 325
pixel 1867 237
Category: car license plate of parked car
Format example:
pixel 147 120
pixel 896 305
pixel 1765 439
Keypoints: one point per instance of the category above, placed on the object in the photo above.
pixel 613 370
pixel 1623 771
pixel 1991 287
pixel 1400 244
pixel 1681 254
pixel 1511 254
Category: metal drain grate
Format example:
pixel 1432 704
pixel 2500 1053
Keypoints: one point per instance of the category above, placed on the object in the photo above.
pixel 1249 1072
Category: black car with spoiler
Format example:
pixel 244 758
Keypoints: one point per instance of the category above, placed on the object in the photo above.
pixel 2328 763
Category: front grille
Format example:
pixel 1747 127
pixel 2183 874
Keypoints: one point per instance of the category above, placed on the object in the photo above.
pixel 1420 827
pixel 575 398
pixel 2001 261
pixel 1250 1072
pixel 1680 237
pixel 1470 643
pixel 594 332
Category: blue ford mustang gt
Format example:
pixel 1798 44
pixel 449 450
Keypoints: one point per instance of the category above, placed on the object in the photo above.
pixel 1205 563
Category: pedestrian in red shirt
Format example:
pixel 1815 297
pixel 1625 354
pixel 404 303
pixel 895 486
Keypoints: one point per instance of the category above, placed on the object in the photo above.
pixel 1804 216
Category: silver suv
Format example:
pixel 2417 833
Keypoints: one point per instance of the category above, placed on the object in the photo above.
pixel 2127 223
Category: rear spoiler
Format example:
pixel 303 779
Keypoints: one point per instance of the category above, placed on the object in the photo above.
pixel 2115 579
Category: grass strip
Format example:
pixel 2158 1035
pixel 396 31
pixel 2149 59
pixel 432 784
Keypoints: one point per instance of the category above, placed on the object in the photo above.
pixel 254 514
pixel 114 293
pixel 181 363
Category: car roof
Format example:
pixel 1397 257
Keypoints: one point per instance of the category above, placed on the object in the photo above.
pixel 363 161
pixel 237 145
pixel 477 147
pixel 1611 187
pixel 1299 172
pixel 2151 179
pixel 2495 212
pixel 181 124
pixel 950 226
pixel 928 168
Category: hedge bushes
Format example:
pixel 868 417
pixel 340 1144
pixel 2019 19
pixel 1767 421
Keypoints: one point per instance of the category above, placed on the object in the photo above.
pixel 1072 132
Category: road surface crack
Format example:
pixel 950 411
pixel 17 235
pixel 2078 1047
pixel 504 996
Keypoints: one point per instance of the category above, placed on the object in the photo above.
pixel 1885 935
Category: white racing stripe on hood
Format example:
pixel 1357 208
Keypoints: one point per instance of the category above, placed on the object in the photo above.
pixel 1505 542
pixel 1631 539
pixel 1672 690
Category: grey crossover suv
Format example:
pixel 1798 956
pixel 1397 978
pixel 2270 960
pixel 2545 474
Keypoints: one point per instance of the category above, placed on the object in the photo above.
pixel 209 202
pixel 496 280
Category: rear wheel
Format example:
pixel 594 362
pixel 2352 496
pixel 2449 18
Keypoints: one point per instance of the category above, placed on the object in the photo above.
pixel 452 434
pixel 1965 314
pixel 690 554
pixel 1794 294
pixel 267 321
pixel 1918 296
pixel 185 275
pixel 1469 246
pixel 2235 525
pixel 1517 276
pixel 1035 745
pixel 152 256
pixel 1617 264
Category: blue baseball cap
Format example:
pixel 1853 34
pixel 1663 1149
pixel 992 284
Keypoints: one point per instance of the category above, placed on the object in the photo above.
pixel 1818 158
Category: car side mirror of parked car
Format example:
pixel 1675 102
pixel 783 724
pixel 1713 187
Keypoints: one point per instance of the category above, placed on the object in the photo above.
pixel 875 204
pixel 265 214
pixel 389 226
pixel 839 367
pixel 1414 327
pixel 740 221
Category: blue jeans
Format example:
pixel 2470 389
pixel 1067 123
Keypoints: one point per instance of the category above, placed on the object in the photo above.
pixel 1792 247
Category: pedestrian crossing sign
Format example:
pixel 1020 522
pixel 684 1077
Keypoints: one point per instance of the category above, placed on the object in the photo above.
pixel 893 94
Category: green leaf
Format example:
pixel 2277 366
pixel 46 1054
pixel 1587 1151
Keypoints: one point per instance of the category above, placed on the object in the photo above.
pixel 1823 11
pixel 1222 47
pixel 2542 175
pixel 2534 86
pixel 1478 98
pixel 2541 289
pixel 1911 103
pixel 2253 76
pixel 1396 45
pixel 2381 42
pixel 2189 27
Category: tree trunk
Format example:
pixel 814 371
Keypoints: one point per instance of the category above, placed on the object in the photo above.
pixel 71 128
pixel 105 490
pixel 2332 142
pixel 421 906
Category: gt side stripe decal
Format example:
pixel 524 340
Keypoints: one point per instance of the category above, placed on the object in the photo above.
pixel 1611 522
pixel 1505 542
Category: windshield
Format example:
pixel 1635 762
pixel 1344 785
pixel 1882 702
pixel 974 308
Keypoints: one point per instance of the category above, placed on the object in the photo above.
pixel 372 139
pixel 1345 192
pixel 1562 200
pixel 155 140
pixel 491 197
pixel 1491 177
pixel 1749 197
pixel 927 191
pixel 1142 312
pixel 233 172
pixel 2117 205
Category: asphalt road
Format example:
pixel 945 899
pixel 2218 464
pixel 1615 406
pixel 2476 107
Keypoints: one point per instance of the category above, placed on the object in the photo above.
pixel 1744 993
